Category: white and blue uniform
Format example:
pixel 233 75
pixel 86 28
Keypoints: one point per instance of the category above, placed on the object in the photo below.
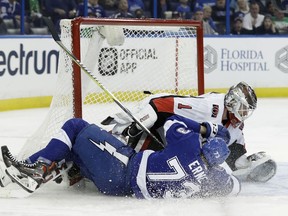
pixel 116 169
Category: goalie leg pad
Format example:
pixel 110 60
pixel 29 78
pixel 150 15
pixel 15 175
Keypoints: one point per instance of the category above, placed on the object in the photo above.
pixel 147 116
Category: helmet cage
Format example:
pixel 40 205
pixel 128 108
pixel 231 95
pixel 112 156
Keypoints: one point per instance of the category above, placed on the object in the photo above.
pixel 241 100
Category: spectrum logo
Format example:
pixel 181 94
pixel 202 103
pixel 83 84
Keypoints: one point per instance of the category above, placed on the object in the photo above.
pixel 23 62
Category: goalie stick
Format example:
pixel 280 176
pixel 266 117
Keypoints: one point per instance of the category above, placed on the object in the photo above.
pixel 94 78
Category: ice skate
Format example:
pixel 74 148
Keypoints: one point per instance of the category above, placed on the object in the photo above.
pixel 4 178
pixel 30 176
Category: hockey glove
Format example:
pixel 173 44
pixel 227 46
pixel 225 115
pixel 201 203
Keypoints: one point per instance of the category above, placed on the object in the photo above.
pixel 131 130
pixel 215 130
pixel 133 134
pixel 259 167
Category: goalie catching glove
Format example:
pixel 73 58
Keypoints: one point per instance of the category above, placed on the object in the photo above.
pixel 258 167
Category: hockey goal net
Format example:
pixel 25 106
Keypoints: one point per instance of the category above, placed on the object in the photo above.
pixel 130 58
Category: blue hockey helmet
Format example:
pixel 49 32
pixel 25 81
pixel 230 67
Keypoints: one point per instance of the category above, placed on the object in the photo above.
pixel 215 151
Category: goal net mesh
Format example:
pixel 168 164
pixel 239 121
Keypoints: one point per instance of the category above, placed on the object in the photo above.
pixel 132 61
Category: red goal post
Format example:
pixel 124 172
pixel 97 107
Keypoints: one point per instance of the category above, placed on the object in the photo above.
pixel 129 57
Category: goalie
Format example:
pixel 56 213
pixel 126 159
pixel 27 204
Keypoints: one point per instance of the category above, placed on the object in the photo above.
pixel 230 110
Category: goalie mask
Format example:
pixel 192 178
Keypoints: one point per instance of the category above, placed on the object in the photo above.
pixel 241 100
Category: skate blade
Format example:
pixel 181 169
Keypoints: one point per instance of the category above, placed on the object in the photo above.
pixel 13 191
pixel 27 183
pixel 4 179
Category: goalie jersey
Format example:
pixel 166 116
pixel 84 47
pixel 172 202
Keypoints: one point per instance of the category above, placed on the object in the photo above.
pixel 206 107
pixel 153 112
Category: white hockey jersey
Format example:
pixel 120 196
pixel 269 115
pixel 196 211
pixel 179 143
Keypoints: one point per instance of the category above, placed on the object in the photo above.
pixel 154 110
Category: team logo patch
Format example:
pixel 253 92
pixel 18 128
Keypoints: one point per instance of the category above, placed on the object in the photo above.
pixel 183 106
pixel 241 126
pixel 183 130
pixel 144 118
pixel 215 110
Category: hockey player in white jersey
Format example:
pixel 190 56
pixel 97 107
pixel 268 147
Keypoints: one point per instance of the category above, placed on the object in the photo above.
pixel 188 167
pixel 230 110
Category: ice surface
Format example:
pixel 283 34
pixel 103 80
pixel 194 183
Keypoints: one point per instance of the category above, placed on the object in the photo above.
pixel 266 130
